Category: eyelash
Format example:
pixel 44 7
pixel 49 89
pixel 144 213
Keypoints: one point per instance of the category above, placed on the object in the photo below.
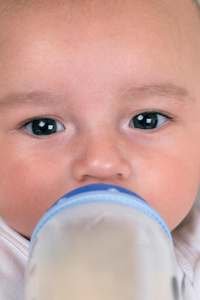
pixel 136 122
pixel 54 125
pixel 147 115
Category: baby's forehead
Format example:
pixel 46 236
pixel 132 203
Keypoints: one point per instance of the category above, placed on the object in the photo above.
pixel 15 5
pixel 171 16
pixel 96 8
pixel 157 15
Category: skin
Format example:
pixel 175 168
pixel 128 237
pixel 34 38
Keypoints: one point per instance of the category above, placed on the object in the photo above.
pixel 92 62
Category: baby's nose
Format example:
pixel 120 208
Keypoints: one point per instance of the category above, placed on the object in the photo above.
pixel 101 160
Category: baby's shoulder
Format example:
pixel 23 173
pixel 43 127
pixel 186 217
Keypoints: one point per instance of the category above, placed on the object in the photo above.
pixel 186 239
pixel 13 258
pixel 187 234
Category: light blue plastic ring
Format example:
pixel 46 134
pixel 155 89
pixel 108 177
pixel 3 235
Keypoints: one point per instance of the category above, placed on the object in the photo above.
pixel 100 193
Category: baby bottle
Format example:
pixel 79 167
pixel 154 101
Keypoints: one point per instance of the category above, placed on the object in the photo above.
pixel 101 242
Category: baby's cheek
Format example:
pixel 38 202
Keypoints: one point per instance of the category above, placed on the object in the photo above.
pixel 170 190
pixel 27 190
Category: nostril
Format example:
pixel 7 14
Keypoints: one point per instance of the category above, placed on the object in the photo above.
pixel 100 169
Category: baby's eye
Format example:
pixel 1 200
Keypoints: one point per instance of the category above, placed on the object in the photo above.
pixel 148 120
pixel 44 126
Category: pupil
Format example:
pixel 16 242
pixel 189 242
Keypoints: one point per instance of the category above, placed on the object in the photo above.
pixel 146 121
pixel 44 126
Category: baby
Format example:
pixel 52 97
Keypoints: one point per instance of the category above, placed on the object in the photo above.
pixel 98 92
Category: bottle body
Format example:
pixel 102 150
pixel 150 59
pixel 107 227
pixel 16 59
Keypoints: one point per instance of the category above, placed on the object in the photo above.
pixel 102 244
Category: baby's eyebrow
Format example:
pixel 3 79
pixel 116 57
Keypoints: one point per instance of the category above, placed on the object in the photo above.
pixel 43 97
pixel 162 90
pixel 36 97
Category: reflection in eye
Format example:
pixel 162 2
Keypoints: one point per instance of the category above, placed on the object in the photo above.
pixel 44 126
pixel 148 120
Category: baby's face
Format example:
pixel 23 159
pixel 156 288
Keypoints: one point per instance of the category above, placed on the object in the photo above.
pixel 108 94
